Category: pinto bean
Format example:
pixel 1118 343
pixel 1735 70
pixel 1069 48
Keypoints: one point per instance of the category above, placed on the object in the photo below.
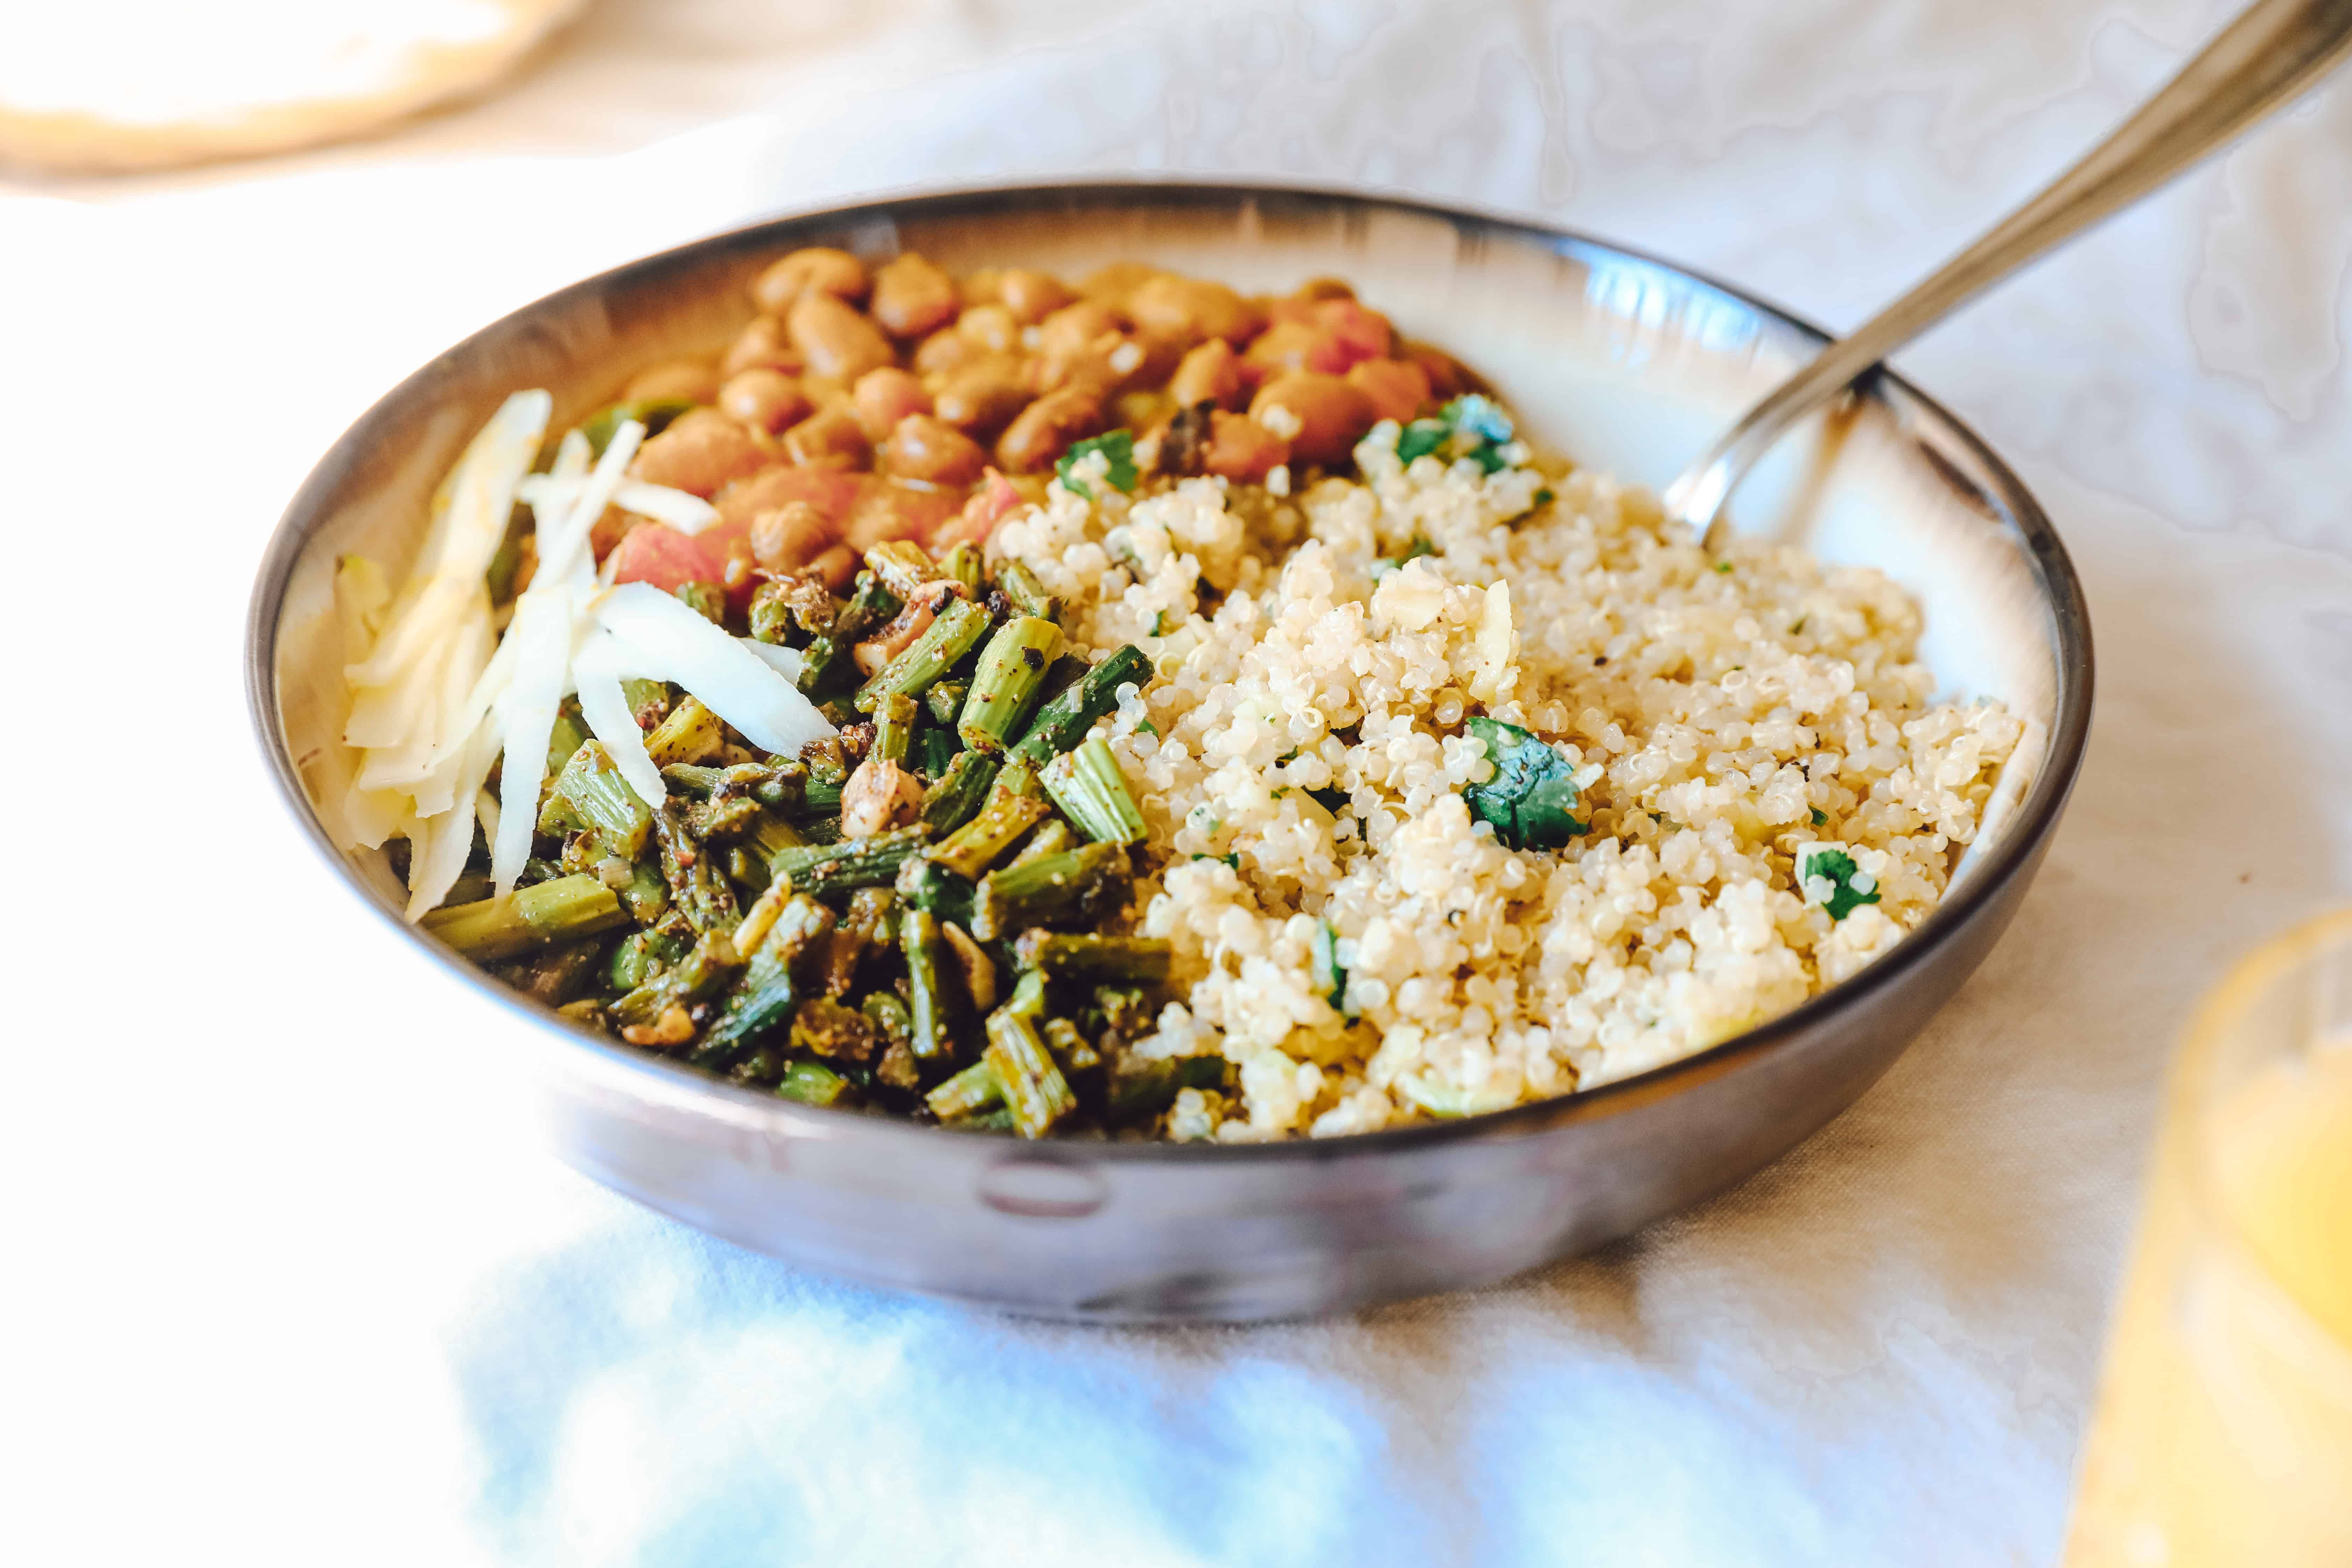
pixel 1073 327
pixel 816 269
pixel 835 339
pixel 1242 450
pixel 990 328
pixel 766 399
pixel 883 397
pixel 1190 310
pixel 695 379
pixel 1039 435
pixel 1114 285
pixel 911 296
pixel 789 537
pixel 701 450
pixel 929 448
pixel 1398 388
pixel 1030 295
pixel 1210 373
pixel 1331 414
pixel 1290 345
pixel 762 345
pixel 982 395
pixel 831 437
pixel 946 352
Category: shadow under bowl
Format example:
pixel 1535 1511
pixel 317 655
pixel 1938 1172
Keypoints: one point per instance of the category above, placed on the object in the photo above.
pixel 1619 360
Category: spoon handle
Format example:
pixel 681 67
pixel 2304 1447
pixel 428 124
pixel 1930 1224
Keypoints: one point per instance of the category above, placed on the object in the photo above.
pixel 2265 58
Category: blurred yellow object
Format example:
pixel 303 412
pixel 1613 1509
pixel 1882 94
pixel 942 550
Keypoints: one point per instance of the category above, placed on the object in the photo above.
pixel 2223 1434
pixel 117 85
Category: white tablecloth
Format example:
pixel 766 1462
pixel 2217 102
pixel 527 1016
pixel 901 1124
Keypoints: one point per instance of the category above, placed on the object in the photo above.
pixel 286 1280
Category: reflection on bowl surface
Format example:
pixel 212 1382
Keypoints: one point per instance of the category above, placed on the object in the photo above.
pixel 1621 362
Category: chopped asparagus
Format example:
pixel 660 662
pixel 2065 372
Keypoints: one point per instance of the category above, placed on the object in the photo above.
pixel 708 600
pixel 1033 1086
pixel 701 974
pixel 769 992
pixel 901 565
pixel 960 791
pixel 1064 722
pixel 894 727
pixel 926 953
pixel 599 798
pixel 563 909
pixel 690 735
pixel 1092 792
pixel 1027 595
pixel 1061 955
pixel 968 1093
pixel 698 882
pixel 1053 837
pixel 1087 880
pixel 970 850
pixel 812 1083
pixel 820 870
pixel 927 884
pixel 947 639
pixel 1004 686
pixel 965 565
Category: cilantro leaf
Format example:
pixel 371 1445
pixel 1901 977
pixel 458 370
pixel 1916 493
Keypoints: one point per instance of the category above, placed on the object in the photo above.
pixel 1820 818
pixel 1838 866
pixel 1470 426
pixel 1117 447
pixel 1416 548
pixel 1529 799
pixel 1234 860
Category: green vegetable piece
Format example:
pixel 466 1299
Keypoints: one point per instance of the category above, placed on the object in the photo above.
pixel 925 951
pixel 812 1083
pixel 1092 792
pixel 894 726
pixel 947 639
pixel 901 565
pixel 823 869
pixel 646 894
pixel 1064 722
pixel 1149 1088
pixel 1053 837
pixel 1033 1086
pixel 1070 1048
pixel 654 413
pixel 944 701
pixel 973 847
pixel 1117 446
pixel 927 884
pixel 869 919
pixel 935 749
pixel 1838 866
pixel 648 700
pixel 1076 885
pixel 1529 799
pixel 968 1093
pixel 823 1027
pixel 1006 684
pixel 769 992
pixel 1064 955
pixel 1026 593
pixel 1820 818
pixel 1470 426
pixel 959 792
pixel 966 565
pixel 566 909
pixel 698 881
pixel 704 973
pixel 1331 978
pixel 708 600
pixel 690 733
pixel 592 790
pixel 568 736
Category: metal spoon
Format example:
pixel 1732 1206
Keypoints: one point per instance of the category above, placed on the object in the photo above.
pixel 2262 60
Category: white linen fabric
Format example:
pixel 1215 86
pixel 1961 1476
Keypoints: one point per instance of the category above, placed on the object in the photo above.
pixel 290 1273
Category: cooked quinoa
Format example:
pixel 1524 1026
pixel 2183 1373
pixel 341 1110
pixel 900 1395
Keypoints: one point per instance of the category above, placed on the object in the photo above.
pixel 1722 716
pixel 1130 710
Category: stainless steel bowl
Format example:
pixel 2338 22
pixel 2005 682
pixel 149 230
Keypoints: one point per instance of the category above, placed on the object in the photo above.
pixel 1622 361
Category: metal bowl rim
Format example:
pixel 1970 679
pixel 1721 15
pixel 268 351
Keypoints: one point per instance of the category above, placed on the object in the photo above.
pixel 658 1078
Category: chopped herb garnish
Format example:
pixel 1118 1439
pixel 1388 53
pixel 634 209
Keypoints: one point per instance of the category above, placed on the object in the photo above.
pixel 1330 980
pixel 1800 626
pixel 1159 623
pixel 1418 547
pixel 1544 498
pixel 1331 800
pixel 1231 859
pixel 1724 567
pixel 1469 427
pixel 1835 865
pixel 1528 800
pixel 1149 728
pixel 1820 818
pixel 1117 447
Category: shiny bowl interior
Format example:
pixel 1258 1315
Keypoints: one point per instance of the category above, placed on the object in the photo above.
pixel 1621 362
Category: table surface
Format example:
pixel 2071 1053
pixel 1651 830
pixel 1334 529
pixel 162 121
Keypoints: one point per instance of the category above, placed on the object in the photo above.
pixel 289 1275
